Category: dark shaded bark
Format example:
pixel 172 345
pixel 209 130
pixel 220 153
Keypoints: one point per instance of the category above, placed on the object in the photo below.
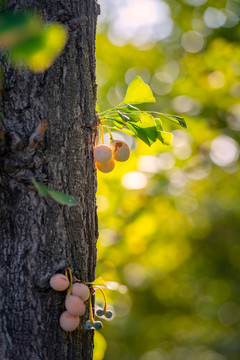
pixel 40 237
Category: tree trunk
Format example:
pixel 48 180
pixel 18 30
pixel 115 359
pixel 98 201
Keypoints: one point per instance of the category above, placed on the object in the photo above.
pixel 40 237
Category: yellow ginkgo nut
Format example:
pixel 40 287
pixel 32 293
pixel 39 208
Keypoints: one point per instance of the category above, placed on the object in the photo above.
pixel 68 322
pixel 81 290
pixel 102 153
pixel 74 305
pixel 107 166
pixel 120 150
pixel 59 282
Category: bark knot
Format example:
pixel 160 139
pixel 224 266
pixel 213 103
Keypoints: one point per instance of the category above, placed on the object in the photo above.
pixel 21 156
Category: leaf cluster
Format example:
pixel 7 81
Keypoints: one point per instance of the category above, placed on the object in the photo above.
pixel 147 126
pixel 29 41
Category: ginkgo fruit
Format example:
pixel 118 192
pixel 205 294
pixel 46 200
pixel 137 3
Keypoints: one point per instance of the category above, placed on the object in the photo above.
pixel 107 166
pixel 81 290
pixel 120 150
pixel 98 325
pixel 102 153
pixel 59 282
pixel 74 305
pixel 68 322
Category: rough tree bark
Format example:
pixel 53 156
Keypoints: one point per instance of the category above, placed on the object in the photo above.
pixel 40 237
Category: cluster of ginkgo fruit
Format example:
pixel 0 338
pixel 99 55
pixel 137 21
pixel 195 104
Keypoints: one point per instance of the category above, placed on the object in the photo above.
pixel 105 155
pixel 77 294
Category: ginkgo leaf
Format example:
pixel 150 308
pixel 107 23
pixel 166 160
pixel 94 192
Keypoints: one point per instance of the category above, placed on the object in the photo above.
pixel 58 196
pixel 99 282
pixel 146 130
pixel 133 113
pixel 174 118
pixel 62 198
pixel 39 51
pixel 165 137
pixel 42 189
pixel 138 92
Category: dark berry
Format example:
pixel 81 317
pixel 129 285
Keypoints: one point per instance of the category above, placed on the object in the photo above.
pixel 99 312
pixel 98 325
pixel 88 325
pixel 109 314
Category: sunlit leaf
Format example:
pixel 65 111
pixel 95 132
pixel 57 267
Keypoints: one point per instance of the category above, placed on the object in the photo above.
pixel 146 130
pixel 124 117
pixel 158 124
pixel 118 124
pixel 117 121
pixel 132 112
pixel 100 346
pixel 42 189
pixel 38 52
pixel 62 198
pixel 126 131
pixel 176 119
pixel 100 282
pixel 138 92
pixel 165 137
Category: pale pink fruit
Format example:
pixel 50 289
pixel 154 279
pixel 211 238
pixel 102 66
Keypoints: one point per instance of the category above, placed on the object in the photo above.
pixel 81 290
pixel 106 167
pixel 68 322
pixel 74 305
pixel 59 282
pixel 102 153
pixel 120 150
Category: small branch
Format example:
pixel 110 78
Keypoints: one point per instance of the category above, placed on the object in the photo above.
pixel 104 297
pixel 37 136
pixel 111 137
pixel 102 134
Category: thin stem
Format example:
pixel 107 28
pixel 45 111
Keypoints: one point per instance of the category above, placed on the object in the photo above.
pixel 102 133
pixel 141 111
pixel 111 137
pixel 104 297
pixel 105 111
pixel 69 272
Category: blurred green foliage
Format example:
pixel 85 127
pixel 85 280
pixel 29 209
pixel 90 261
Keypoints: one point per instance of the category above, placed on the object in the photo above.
pixel 169 217
pixel 28 42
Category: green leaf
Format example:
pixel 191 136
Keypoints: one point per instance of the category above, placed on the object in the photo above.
pixel 176 119
pixel 28 48
pixel 165 137
pixel 62 198
pixel 56 195
pixel 100 346
pixel 126 131
pixel 99 282
pixel 117 121
pixel 132 112
pixel 42 189
pixel 158 124
pixel 118 124
pixel 38 51
pixel 10 21
pixel 138 92
pixel 146 130
pixel 124 117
